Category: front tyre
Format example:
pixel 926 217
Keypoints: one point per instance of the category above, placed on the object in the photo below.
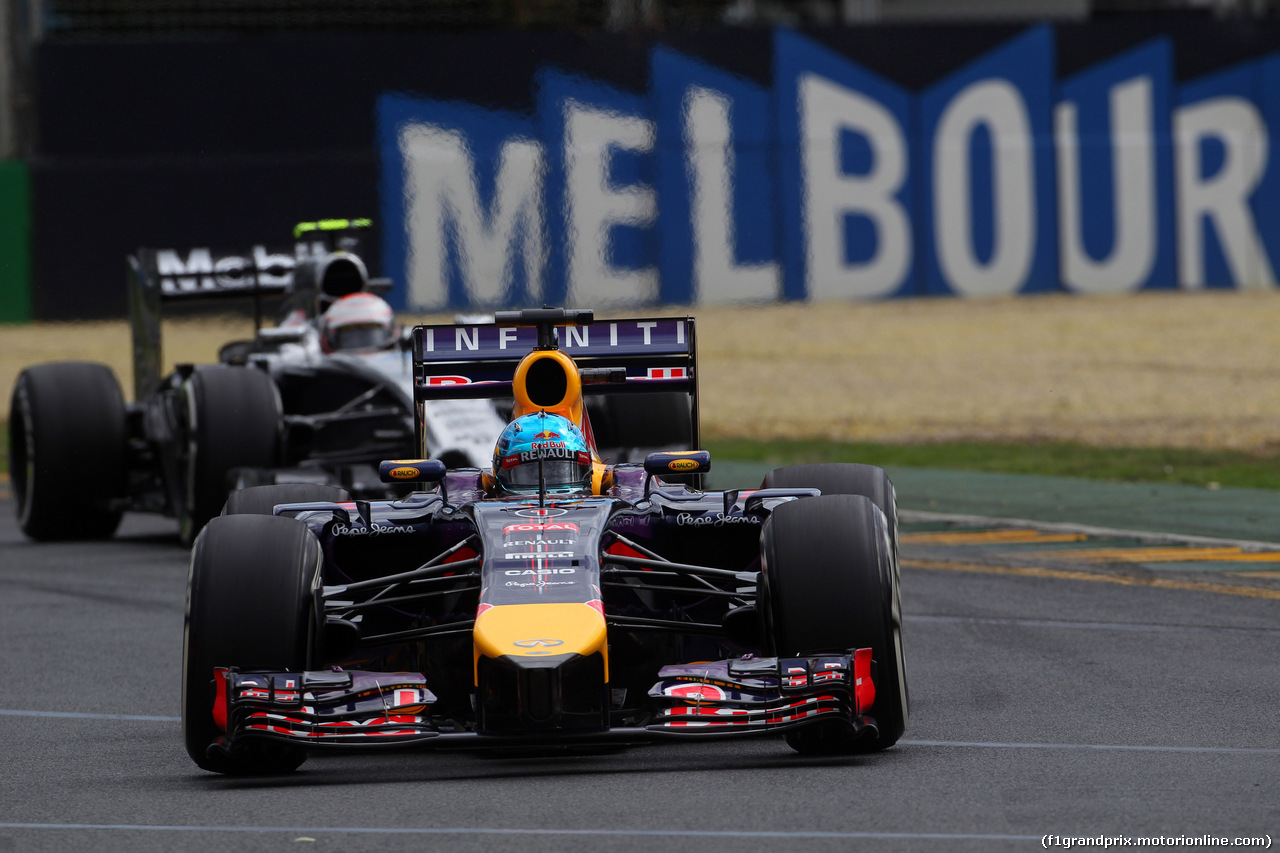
pixel 249 597
pixel 830 585
pixel 68 451
pixel 853 478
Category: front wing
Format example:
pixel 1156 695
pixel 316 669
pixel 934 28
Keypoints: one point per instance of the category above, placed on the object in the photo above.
pixel 744 696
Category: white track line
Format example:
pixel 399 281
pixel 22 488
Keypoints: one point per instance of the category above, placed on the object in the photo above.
pixel 474 830
pixel 1102 747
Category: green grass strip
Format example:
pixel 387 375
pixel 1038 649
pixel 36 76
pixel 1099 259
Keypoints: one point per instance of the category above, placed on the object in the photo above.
pixel 1128 464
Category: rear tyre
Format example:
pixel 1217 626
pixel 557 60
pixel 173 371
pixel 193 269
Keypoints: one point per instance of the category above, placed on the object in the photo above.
pixel 249 596
pixel 262 500
pixel 68 451
pixel 233 421
pixel 830 585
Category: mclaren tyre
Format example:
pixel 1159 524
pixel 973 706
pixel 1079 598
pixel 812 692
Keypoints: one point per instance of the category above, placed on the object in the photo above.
pixel 233 420
pixel 249 597
pixel 68 451
pixel 830 585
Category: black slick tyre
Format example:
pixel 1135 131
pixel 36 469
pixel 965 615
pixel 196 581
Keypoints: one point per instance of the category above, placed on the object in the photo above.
pixel 249 599
pixel 869 481
pixel 233 420
pixel 830 585
pixel 68 451
pixel 262 500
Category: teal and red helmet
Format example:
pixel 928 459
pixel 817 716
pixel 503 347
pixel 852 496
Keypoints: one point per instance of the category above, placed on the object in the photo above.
pixel 552 442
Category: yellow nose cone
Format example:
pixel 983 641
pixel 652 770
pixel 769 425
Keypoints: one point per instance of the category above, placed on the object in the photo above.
pixel 541 630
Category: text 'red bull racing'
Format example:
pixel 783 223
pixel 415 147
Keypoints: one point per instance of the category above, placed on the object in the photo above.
pixel 554 599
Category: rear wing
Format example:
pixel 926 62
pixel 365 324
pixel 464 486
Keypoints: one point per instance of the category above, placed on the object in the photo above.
pixel 322 252
pixel 471 361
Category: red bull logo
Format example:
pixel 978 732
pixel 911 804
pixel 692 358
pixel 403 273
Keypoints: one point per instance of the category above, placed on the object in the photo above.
pixel 547 434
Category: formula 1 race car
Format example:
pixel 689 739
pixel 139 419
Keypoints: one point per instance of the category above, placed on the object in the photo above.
pixel 552 599
pixel 297 403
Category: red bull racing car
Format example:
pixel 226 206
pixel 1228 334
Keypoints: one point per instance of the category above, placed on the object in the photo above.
pixel 554 598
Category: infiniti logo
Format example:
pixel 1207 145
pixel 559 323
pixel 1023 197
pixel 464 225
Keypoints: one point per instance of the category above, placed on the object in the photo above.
pixel 529 644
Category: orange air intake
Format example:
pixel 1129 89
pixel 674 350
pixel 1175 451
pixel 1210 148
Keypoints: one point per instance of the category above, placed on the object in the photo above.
pixel 548 381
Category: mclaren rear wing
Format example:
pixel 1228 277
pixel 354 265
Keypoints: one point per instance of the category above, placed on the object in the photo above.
pixel 470 361
pixel 200 274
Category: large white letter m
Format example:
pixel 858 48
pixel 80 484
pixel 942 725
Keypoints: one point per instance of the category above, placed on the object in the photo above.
pixel 446 221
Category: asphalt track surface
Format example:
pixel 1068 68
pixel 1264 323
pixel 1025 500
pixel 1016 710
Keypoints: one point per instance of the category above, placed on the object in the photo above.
pixel 1051 695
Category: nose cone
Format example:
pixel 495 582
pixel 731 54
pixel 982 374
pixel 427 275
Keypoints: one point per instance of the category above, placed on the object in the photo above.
pixel 541 667
pixel 531 631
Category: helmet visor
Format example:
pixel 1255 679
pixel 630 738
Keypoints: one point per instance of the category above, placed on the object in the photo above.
pixel 363 336
pixel 520 470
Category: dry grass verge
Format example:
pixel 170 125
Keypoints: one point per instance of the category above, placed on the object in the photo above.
pixel 1157 369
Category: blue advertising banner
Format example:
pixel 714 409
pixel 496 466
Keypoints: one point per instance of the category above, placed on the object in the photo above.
pixel 844 148
pixel 837 183
pixel 600 205
pixel 986 161
pixel 1264 202
pixel 481 238
pixel 1223 154
pixel 717 229
pixel 1112 138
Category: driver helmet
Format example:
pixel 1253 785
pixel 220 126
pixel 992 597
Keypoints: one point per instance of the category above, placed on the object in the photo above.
pixel 358 321
pixel 541 439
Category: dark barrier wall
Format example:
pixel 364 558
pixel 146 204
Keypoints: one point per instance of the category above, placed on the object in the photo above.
pixel 88 215
pixel 230 141
pixel 227 142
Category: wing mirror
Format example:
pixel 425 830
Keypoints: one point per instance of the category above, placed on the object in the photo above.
pixel 678 462
pixel 282 334
pixel 411 471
